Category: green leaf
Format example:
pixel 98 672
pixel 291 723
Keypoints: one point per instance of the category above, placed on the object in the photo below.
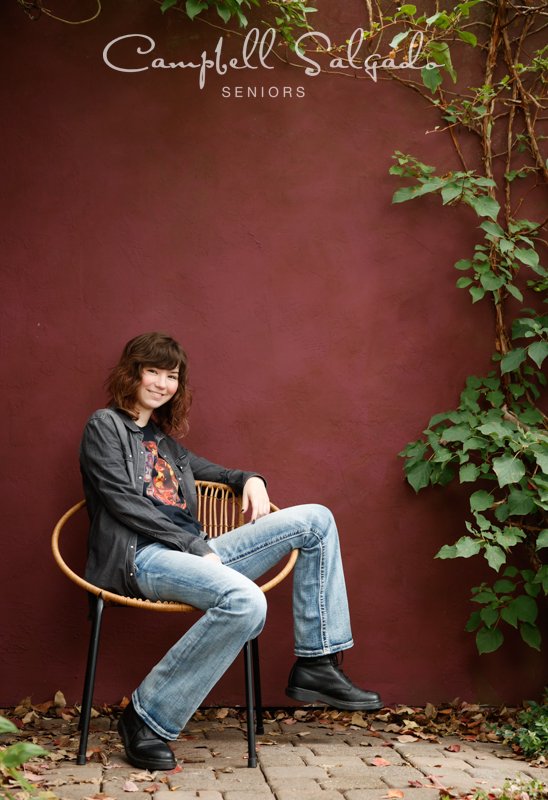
pixel 538 352
pixel 484 206
pixel 495 428
pixel 408 9
pixel 530 635
pixel 410 192
pixel 484 596
pixel 458 433
pixel 481 501
pixel 450 192
pixel 474 621
pixel 468 37
pixel 504 586
pixel 477 293
pixel 495 556
pixel 508 469
pixel 17 754
pixel 492 228
pixel 468 473
pixel 225 13
pixel 466 547
pixel 442 56
pixel 167 4
pixel 488 640
pixel 431 77
pixel 193 7
pixel 520 503
pixel 510 616
pixel 527 256
pixel 447 551
pixel 418 475
pixel 510 536
pixel 514 291
pixel 463 283
pixel 532 589
pixel 463 264
pixel 511 361
pixel 525 607
pixel 540 452
pixel 489 616
pixel 398 38
pixel 474 443
pixel 6 726
pixel 491 282
pixel 496 398
pixel 542 539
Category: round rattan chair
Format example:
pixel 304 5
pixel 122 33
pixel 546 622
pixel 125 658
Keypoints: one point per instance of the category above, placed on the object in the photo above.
pixel 219 511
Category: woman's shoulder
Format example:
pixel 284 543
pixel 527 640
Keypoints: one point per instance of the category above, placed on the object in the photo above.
pixel 112 417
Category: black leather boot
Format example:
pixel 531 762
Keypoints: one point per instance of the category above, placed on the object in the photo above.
pixel 144 748
pixel 321 679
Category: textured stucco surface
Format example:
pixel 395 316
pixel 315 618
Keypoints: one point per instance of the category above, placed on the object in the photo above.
pixel 322 325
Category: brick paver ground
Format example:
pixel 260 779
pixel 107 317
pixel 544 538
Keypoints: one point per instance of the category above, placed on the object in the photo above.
pixel 303 760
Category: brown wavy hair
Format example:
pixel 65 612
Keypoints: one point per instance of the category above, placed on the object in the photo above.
pixel 151 350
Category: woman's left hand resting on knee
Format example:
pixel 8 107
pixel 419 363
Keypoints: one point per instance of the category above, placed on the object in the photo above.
pixel 256 496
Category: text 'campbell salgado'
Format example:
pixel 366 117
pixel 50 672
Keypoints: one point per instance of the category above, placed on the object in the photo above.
pixel 256 49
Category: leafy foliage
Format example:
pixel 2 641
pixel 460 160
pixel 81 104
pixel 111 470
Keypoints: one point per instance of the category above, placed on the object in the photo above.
pixel 14 756
pixel 513 790
pixel 530 734
pixel 289 15
pixel 496 440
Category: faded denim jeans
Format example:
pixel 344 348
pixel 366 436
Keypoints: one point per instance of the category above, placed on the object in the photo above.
pixel 235 608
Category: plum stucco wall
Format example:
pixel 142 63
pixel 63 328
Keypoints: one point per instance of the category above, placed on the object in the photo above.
pixel 322 325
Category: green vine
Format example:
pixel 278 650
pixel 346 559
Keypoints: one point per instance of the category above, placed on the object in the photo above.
pixel 496 440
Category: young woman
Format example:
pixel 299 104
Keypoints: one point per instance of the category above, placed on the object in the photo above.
pixel 145 542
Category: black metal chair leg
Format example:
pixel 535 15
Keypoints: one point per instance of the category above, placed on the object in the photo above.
pixel 259 727
pixel 248 662
pixel 89 682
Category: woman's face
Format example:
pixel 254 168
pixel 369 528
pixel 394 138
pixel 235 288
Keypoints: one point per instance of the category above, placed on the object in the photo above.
pixel 157 387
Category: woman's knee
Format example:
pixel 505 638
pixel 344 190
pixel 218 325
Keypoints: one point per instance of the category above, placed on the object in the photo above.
pixel 317 518
pixel 248 603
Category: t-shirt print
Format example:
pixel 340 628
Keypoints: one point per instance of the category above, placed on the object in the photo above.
pixel 160 482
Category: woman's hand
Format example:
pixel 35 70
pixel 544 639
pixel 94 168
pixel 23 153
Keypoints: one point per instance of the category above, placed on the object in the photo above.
pixel 255 494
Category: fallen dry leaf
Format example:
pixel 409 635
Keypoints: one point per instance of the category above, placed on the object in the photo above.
pixel 59 700
pixel 407 737
pixel 453 748
pixel 175 770
pixel 154 787
pixel 416 784
pixel 129 786
pixel 394 793
pixel 380 762
pixel 436 782
pixel 357 719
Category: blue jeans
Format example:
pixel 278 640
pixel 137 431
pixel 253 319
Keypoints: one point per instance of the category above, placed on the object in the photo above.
pixel 235 608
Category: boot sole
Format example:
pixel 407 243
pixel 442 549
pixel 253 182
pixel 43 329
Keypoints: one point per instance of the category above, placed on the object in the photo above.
pixel 143 763
pixel 308 696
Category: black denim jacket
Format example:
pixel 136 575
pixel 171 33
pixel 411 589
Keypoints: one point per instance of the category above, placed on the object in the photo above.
pixel 112 462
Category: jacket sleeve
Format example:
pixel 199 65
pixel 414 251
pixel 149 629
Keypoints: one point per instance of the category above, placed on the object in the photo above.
pixel 204 470
pixel 108 469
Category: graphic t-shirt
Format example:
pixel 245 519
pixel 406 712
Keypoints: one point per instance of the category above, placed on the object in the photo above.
pixel 161 487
